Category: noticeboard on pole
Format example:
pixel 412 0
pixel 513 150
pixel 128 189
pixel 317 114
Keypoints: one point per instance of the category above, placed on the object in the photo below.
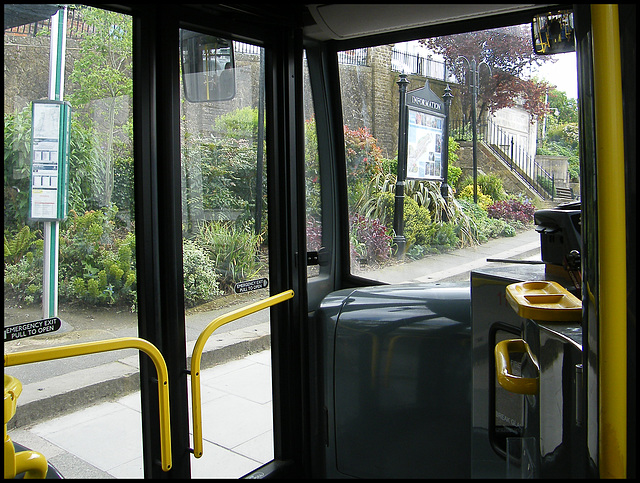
pixel 49 160
pixel 425 130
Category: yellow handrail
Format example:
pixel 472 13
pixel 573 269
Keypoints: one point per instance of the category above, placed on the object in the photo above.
pixel 145 346
pixel 612 258
pixel 510 382
pixel 197 355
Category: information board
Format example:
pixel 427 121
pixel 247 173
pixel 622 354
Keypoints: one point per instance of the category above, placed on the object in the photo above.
pixel 49 160
pixel 425 121
pixel 424 153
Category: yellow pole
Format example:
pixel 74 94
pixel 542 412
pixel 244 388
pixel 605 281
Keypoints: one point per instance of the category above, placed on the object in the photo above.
pixel 196 409
pixel 145 346
pixel 612 347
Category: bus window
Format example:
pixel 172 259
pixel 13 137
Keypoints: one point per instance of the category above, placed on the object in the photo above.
pixel 481 203
pixel 225 260
pixel 312 179
pixel 97 276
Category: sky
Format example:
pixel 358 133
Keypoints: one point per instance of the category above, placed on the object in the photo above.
pixel 562 74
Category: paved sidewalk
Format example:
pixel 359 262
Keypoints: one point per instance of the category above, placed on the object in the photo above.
pixel 49 418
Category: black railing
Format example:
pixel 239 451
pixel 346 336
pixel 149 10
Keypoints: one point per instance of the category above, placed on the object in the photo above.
pixel 76 28
pixel 417 65
pixel 513 155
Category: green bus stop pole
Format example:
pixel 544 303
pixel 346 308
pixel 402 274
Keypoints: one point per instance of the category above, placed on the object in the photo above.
pixel 52 228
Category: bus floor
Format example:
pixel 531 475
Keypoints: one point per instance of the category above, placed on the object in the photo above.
pixel 105 440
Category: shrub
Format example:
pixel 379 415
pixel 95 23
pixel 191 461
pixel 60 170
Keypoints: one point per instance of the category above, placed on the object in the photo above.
pixel 512 209
pixel 442 236
pixel 200 279
pixel 233 250
pixel 97 261
pixel 467 193
pixel 17 246
pixel 314 234
pixel 416 218
pixel 453 175
pixel 369 239
pixel 483 227
pixel 364 157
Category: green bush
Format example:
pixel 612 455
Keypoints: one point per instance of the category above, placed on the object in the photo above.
pixel 416 219
pixel 97 260
pixel 442 236
pixel 466 193
pixel 200 278
pixel 483 227
pixel 489 184
pixel 370 239
pixel 233 250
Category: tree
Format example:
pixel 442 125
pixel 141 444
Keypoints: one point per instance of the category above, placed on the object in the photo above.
pixel 508 53
pixel 103 85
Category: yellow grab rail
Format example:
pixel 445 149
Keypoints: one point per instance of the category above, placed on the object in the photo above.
pixel 510 382
pixel 145 346
pixel 196 409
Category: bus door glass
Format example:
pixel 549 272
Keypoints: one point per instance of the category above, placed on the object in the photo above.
pixel 225 251
pixel 93 247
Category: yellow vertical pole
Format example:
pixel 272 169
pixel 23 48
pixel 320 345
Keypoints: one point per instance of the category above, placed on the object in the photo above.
pixel 612 347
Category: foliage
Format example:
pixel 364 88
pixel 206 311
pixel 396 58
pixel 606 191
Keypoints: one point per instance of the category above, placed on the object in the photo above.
pixel 467 194
pixel 232 249
pixel 370 239
pixel 484 227
pixel 311 166
pixel 512 209
pixel 103 87
pixel 453 175
pixel 364 157
pixel 200 278
pixel 16 247
pixel 488 184
pixel 240 124
pixel 561 136
pixel 314 234
pixel 17 165
pixel 564 108
pixel 97 261
pixel 23 279
pixel 507 51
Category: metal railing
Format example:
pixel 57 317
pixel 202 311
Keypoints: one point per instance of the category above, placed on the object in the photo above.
pixel 76 28
pixel 512 154
pixel 418 65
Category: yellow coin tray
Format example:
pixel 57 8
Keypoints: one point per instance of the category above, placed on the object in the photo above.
pixel 544 300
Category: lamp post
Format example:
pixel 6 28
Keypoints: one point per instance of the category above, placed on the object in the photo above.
pixel 398 212
pixel 473 70
pixel 444 188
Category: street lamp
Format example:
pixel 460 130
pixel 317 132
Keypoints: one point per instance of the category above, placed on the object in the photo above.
pixel 473 70
pixel 398 212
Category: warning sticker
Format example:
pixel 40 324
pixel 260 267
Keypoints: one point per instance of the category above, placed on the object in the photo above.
pixel 248 286
pixel 28 329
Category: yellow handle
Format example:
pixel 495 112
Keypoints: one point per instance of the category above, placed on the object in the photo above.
pixel 197 355
pixel 145 346
pixel 517 384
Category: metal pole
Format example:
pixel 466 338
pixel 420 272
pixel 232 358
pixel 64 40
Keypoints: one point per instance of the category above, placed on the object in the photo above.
pixel 398 212
pixel 52 228
pixel 473 126
pixel 444 189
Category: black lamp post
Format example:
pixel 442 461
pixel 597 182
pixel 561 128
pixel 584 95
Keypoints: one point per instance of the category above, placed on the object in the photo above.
pixel 398 212
pixel 473 70
pixel 444 189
